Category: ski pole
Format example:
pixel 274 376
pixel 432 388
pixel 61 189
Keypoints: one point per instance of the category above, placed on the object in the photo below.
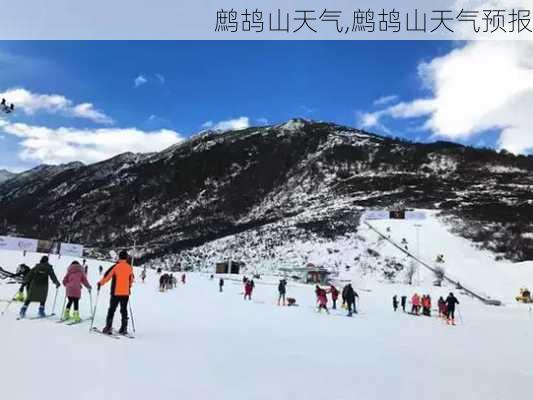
pixel 8 304
pixel 55 300
pixel 91 301
pixel 94 311
pixel 63 307
pixel 132 320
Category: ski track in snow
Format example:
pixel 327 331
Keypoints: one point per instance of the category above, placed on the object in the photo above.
pixel 194 342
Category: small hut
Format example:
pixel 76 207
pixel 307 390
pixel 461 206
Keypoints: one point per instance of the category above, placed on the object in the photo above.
pixel 229 267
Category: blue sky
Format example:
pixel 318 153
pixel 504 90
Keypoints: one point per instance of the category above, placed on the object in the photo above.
pixel 177 88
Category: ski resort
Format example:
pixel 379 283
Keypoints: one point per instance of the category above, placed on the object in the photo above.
pixel 308 221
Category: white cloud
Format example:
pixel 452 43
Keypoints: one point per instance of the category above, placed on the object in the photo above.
pixel 160 78
pixel 31 103
pixel 228 125
pixel 140 80
pixel 384 100
pixel 482 86
pixel 62 145
pixel 262 121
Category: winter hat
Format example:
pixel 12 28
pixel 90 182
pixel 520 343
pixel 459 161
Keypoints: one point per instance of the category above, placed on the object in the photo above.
pixel 75 263
pixel 44 259
pixel 123 255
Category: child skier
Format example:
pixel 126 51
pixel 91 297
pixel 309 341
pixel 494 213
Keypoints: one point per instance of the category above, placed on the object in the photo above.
pixel 37 284
pixel 395 303
pixel 322 299
pixel 22 271
pixel 72 281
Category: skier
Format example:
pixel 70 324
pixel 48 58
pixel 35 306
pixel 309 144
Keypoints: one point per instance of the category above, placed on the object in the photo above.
pixel 248 288
pixel 121 275
pixel 100 269
pixel 282 289
pixel 72 282
pixel 322 299
pixel 404 302
pixel 334 296
pixel 415 302
pixel 395 303
pixel 37 284
pixel 183 278
pixel 451 301
pixel 220 284
pixel 143 275
pixel 86 269
pixel 350 296
pixel 22 271
pixel 428 305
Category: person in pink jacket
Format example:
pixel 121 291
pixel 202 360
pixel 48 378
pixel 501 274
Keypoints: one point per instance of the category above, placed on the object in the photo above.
pixel 72 281
pixel 415 301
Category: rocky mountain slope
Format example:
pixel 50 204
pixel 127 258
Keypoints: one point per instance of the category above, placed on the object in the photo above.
pixel 299 180
pixel 5 175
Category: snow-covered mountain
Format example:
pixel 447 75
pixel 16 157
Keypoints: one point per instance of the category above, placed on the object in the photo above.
pixel 5 175
pixel 297 182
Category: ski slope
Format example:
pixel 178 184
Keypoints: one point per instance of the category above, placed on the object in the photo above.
pixel 196 343
pixel 473 268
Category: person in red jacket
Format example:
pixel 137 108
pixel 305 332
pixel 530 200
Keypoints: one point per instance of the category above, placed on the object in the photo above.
pixel 248 288
pixel 334 296
pixel 121 277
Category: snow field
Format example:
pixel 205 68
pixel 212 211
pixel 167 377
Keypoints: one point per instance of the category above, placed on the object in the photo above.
pixel 198 343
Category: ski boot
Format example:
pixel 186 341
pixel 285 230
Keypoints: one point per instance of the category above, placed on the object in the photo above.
pixel 41 312
pixel 107 330
pixel 22 313
pixel 123 327
pixel 76 316
pixel 66 315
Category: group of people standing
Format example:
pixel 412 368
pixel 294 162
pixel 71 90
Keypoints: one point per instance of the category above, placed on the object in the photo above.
pixel 36 281
pixel 421 305
pixel 349 296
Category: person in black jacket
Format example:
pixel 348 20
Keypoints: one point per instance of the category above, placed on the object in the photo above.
pixel 282 289
pixel 220 284
pixel 404 302
pixel 350 295
pixel 37 284
pixel 451 301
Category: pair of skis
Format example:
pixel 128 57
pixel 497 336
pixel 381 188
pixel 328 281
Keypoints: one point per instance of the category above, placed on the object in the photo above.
pixel 113 335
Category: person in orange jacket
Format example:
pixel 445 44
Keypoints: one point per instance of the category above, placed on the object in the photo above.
pixel 121 277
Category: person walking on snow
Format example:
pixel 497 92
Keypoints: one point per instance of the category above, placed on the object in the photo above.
pixel 37 283
pixel 100 270
pixel 72 281
pixel 395 303
pixel 183 278
pixel 121 277
pixel 350 296
pixel 451 301
pixel 143 275
pixel 334 296
pixel 322 299
pixel 220 284
pixel 248 288
pixel 282 289
pixel 415 302
pixel 442 307
pixel 404 302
